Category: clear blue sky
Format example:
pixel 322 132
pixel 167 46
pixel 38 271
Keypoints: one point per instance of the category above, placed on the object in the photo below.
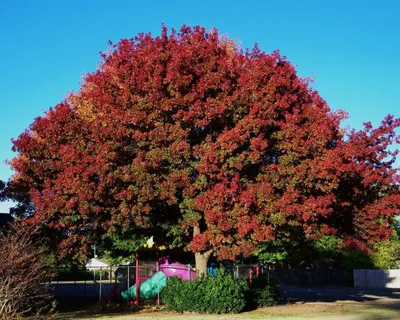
pixel 351 48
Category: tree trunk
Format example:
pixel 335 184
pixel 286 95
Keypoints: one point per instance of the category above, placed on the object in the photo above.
pixel 201 258
pixel 201 262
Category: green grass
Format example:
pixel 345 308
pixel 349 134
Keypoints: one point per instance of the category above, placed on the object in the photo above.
pixel 326 311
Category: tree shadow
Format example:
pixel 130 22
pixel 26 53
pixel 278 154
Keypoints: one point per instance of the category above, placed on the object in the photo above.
pixel 372 297
pixel 89 308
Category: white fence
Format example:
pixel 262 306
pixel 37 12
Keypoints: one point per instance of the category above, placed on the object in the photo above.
pixel 377 278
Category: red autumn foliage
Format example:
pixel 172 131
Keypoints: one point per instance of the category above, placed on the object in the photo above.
pixel 188 129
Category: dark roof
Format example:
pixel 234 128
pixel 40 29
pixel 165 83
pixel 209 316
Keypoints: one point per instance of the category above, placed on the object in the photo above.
pixel 5 218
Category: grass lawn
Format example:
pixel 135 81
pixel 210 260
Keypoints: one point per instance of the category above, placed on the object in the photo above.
pixel 316 311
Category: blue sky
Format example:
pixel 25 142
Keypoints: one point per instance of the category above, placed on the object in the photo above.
pixel 351 48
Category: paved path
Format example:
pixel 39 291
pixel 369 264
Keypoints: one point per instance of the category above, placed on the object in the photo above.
pixel 374 297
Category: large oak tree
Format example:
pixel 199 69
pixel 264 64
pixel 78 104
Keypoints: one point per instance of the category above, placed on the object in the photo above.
pixel 189 138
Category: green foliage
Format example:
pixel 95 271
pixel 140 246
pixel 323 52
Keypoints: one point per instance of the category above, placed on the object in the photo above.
pixel 327 246
pixel 120 247
pixel 386 255
pixel 351 259
pixel 262 292
pixel 267 296
pixel 126 242
pixel 276 252
pixel 326 249
pixel 114 258
pixel 396 229
pixel 219 294
pixel 272 257
pixel 355 259
pixel 49 260
pixel 289 249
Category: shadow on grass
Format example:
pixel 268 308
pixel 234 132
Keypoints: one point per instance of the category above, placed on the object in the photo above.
pixel 80 308
pixel 374 317
pixel 374 297
pixel 289 311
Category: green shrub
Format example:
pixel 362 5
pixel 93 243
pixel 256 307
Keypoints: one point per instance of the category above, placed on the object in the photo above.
pixel 266 291
pixel 262 292
pixel 267 296
pixel 219 294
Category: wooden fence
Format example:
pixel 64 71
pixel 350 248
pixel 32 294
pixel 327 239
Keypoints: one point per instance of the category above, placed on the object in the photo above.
pixel 376 278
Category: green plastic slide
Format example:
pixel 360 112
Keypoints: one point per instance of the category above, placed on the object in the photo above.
pixel 148 289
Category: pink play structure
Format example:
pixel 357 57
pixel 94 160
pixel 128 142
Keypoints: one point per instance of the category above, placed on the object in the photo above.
pixel 177 269
pixel 168 267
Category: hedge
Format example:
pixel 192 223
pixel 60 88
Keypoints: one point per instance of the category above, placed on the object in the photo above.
pixel 218 294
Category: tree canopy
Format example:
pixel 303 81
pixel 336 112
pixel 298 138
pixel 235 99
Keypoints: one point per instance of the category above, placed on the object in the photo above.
pixel 189 138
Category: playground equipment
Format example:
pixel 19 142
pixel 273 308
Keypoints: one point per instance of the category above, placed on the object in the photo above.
pixel 177 269
pixel 148 289
pixel 151 288
pixel 212 270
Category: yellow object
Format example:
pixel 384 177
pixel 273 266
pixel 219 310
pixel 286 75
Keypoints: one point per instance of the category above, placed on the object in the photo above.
pixel 150 242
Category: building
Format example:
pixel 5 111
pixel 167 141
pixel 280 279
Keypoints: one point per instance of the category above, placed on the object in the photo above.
pixel 96 264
